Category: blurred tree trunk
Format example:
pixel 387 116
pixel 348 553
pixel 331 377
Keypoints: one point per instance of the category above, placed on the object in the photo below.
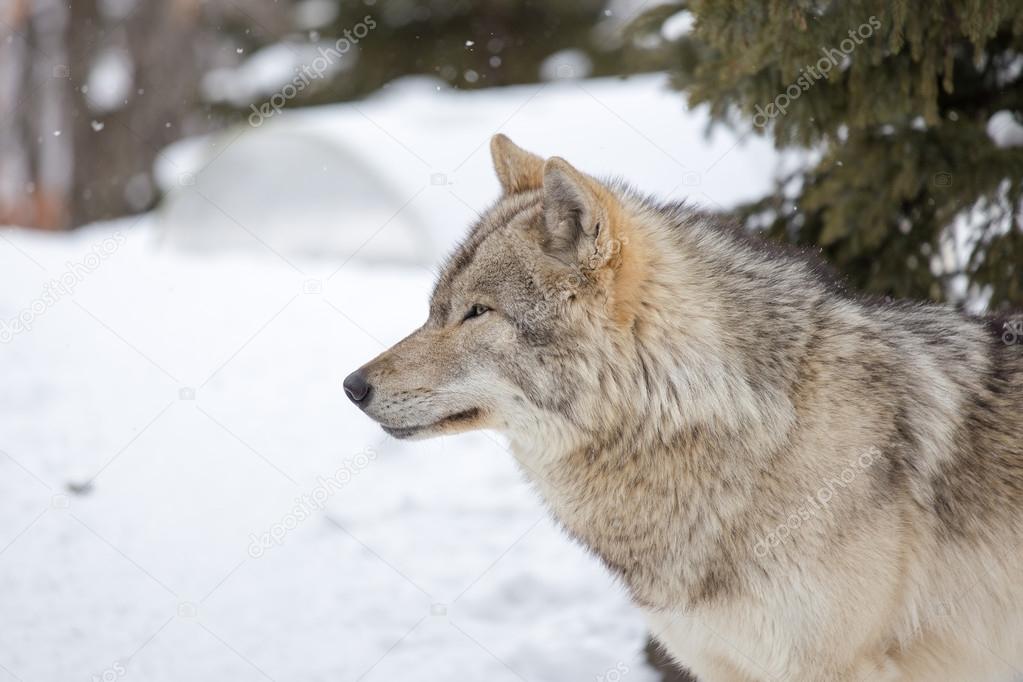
pixel 87 197
pixel 34 157
pixel 50 114
pixel 15 174
pixel 116 143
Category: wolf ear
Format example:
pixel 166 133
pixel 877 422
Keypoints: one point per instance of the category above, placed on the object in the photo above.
pixel 577 213
pixel 517 169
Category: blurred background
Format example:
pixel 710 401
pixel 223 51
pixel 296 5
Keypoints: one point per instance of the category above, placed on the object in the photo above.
pixel 214 210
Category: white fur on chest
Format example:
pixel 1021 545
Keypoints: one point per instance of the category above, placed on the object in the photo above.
pixel 713 644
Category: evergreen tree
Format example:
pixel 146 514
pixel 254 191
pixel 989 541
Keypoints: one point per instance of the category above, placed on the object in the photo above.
pixel 910 112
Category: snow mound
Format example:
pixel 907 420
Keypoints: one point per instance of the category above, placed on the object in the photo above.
pixel 411 164
pixel 291 193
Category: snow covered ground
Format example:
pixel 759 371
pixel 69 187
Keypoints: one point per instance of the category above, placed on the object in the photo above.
pixel 185 493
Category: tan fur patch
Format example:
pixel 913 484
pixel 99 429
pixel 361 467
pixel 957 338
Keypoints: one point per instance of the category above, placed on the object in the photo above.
pixel 629 257
pixel 460 423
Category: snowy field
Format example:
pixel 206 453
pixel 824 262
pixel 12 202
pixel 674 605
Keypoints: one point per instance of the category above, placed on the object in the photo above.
pixel 185 493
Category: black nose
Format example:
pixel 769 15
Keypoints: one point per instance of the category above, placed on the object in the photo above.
pixel 356 387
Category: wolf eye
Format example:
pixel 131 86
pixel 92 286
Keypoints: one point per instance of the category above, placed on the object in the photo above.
pixel 475 311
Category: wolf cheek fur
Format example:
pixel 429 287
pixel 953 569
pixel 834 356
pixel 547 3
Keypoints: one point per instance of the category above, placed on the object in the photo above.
pixel 696 407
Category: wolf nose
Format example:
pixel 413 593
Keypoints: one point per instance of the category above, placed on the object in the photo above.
pixel 356 387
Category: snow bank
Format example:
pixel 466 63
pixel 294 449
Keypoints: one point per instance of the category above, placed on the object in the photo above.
pixel 398 177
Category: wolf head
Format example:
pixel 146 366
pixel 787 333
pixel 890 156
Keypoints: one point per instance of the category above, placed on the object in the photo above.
pixel 521 314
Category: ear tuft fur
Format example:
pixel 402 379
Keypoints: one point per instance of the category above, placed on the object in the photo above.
pixel 573 210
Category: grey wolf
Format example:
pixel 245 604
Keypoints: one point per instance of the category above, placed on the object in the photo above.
pixel 793 483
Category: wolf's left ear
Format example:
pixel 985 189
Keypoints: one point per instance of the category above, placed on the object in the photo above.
pixel 517 169
pixel 578 212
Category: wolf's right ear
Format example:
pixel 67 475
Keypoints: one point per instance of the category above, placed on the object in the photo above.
pixel 517 169
pixel 581 216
